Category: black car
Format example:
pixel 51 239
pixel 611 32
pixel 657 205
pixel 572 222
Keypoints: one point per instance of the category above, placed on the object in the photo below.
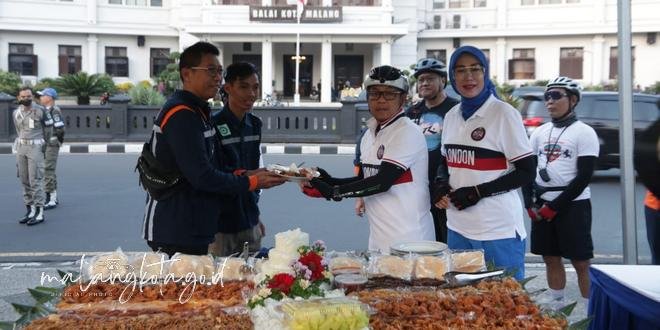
pixel 599 110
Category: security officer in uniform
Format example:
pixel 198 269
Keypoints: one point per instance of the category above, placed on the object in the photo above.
pixel 47 99
pixel 32 124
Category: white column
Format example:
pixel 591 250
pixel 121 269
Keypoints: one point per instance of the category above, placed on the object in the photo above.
pixel 375 56
pixel 502 13
pixel 386 52
pixel 91 12
pixel 266 67
pixel 597 58
pixel 326 69
pixel 501 60
pixel 92 54
pixel 221 54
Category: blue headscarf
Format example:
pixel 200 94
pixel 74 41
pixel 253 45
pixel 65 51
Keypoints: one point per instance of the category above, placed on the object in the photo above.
pixel 470 105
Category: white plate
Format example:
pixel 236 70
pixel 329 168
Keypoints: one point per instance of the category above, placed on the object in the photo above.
pixel 419 247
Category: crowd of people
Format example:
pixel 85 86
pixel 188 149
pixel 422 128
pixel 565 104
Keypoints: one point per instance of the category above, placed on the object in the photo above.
pixel 443 169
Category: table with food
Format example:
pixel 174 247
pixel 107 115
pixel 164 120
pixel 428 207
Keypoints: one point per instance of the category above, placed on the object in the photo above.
pixel 299 285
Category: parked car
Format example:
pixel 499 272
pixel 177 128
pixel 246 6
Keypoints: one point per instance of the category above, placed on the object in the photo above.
pixel 599 110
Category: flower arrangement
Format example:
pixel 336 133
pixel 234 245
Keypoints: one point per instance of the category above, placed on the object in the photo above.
pixel 310 273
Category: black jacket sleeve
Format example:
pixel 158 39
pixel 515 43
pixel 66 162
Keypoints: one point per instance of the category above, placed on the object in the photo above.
pixel 185 137
pixel 381 182
pixel 528 190
pixel 585 169
pixel 523 174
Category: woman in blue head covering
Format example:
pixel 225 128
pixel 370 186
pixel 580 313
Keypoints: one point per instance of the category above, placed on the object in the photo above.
pixel 488 156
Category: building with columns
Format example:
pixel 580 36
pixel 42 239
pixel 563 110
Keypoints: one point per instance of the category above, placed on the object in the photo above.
pixel 341 40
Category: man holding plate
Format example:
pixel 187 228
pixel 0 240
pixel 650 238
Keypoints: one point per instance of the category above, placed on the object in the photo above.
pixel 393 168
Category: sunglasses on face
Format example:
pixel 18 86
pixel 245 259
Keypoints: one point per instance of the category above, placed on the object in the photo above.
pixel 464 72
pixel 388 96
pixel 553 95
pixel 385 73
pixel 212 71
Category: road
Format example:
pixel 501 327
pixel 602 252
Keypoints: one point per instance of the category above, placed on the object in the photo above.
pixel 102 206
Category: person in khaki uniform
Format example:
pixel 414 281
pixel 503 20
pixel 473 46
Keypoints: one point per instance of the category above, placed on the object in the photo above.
pixel 31 122
pixel 47 99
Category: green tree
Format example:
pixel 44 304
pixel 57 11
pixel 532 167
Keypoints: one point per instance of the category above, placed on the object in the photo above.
pixel 170 76
pixel 10 82
pixel 653 89
pixel 83 85
pixel 145 95
pixel 43 83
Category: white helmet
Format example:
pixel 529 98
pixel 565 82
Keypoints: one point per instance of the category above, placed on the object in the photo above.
pixel 386 75
pixel 569 84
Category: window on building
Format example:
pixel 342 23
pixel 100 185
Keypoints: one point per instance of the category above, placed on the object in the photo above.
pixel 527 2
pixel 614 62
pixel 356 2
pixel 22 59
pixel 159 59
pixel 69 59
pixel 572 1
pixel 522 65
pixel 459 3
pixel 570 62
pixel 487 54
pixel 456 22
pixel 549 2
pixel 437 22
pixel 242 2
pixel 114 2
pixel 438 4
pixel 479 3
pixel 438 54
pixel 156 3
pixel 116 61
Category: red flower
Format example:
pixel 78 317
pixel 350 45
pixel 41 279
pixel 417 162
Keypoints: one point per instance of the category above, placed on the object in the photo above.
pixel 313 262
pixel 282 282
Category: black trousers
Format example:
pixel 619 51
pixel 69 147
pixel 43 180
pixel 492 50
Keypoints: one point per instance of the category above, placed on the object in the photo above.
pixel 440 224
pixel 653 233
pixel 171 249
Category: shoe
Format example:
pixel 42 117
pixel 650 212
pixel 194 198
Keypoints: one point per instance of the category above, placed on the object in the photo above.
pixel 38 217
pixel 28 215
pixel 51 200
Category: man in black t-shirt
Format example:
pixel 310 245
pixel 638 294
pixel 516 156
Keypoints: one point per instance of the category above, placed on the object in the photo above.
pixel 429 114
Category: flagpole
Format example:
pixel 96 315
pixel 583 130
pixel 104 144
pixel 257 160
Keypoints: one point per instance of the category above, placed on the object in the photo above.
pixel 296 94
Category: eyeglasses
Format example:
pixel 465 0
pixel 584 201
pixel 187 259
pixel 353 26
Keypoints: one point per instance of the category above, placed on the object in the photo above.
pixel 388 96
pixel 464 72
pixel 212 71
pixel 554 95
pixel 385 73
pixel 430 80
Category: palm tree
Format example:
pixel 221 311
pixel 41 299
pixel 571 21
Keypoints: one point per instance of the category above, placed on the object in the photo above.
pixel 84 85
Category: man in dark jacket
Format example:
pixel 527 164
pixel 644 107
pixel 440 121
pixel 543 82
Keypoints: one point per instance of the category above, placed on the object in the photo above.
pixel 429 114
pixel 240 136
pixel 185 140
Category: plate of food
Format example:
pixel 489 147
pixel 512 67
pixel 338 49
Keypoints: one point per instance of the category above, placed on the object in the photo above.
pixel 294 173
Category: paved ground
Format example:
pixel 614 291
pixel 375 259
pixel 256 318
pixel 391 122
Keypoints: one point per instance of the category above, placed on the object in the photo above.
pixel 17 279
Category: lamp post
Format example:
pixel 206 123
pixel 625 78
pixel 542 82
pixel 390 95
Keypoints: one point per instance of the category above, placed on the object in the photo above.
pixel 296 95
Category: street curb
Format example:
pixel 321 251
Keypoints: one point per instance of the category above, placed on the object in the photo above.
pixel 134 148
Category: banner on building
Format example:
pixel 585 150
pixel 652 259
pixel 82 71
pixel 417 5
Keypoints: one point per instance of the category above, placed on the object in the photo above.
pixel 288 14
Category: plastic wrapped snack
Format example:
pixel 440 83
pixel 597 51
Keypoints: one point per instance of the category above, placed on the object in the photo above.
pixel 469 261
pixel 181 265
pixel 344 265
pixel 149 265
pixel 431 267
pixel 386 265
pixel 230 269
pixel 332 313
pixel 105 266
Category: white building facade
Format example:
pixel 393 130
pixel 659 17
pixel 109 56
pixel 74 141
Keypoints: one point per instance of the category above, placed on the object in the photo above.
pixel 341 40
pixel 529 40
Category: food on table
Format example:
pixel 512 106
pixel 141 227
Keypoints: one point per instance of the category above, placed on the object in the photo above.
pixel 468 261
pixel 393 266
pixel 431 267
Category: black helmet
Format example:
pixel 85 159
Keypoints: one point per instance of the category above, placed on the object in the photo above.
pixel 430 65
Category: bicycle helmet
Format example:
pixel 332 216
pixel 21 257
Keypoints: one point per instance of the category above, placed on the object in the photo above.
pixel 566 83
pixel 430 65
pixel 386 75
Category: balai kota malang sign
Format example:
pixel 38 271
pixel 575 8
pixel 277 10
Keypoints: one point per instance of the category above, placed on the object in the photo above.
pixel 287 14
